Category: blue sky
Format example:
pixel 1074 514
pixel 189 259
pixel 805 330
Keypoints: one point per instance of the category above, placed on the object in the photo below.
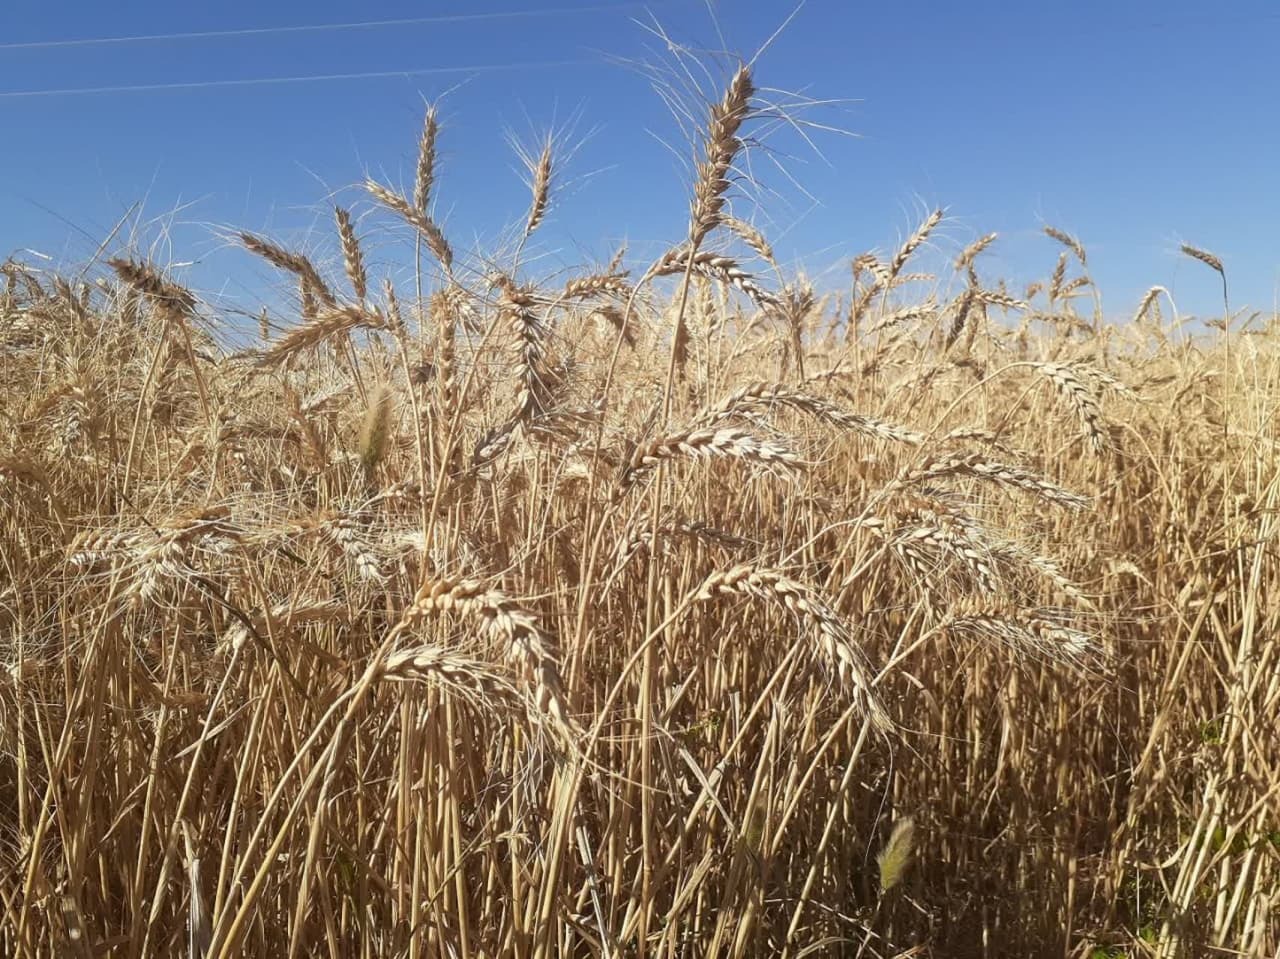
pixel 1136 126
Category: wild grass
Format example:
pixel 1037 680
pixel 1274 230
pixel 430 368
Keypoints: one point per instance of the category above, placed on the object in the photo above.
pixel 613 615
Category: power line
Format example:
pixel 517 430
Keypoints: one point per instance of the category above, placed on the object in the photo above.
pixel 313 78
pixel 323 27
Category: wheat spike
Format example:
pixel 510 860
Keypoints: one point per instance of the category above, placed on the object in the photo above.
pixel 425 175
pixel 326 325
pixel 727 442
pixel 145 279
pixel 979 467
pixel 352 256
pixel 375 429
pixel 913 243
pixel 1069 241
pixel 756 397
pixel 505 620
pixel 1073 388
pixel 720 146
pixel 1205 257
pixel 418 219
pixel 970 252
pixel 751 236
pixel 540 170
pixel 294 263
pixel 714 266
pixel 834 641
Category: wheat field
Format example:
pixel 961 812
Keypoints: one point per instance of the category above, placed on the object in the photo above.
pixel 659 609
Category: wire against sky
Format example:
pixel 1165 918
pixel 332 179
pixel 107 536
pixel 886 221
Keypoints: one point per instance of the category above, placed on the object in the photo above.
pixel 322 27
pixel 257 81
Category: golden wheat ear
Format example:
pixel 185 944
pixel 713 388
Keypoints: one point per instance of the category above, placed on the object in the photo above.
pixel 352 255
pixel 719 148
pixel 1214 263
pixel 425 176
pixel 540 170
pixel 1070 242
pixel 970 253
pixel 290 262
pixel 435 239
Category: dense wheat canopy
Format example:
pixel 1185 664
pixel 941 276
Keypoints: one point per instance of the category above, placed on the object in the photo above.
pixel 680 610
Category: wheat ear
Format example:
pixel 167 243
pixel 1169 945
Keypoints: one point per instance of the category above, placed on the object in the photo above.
pixel 505 620
pixel 834 641
pixel 728 442
pixel 294 263
pixel 418 219
pixel 719 148
pixel 352 256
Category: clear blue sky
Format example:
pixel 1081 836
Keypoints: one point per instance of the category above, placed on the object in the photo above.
pixel 1134 125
